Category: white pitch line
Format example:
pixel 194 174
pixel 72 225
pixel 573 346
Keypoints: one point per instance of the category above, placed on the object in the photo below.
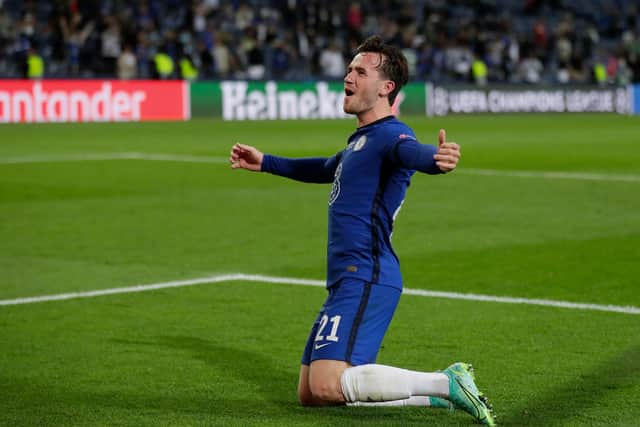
pixel 527 301
pixel 112 156
pixel 318 283
pixel 584 176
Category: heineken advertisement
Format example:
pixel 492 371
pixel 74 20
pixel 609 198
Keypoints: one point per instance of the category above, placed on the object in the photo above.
pixel 250 100
pixel 411 100
pixel 270 101
pixel 446 100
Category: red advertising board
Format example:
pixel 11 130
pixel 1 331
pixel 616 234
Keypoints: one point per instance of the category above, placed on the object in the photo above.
pixel 93 100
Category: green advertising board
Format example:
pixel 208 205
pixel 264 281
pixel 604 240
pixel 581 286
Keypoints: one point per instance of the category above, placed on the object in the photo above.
pixel 411 100
pixel 206 99
pixel 258 100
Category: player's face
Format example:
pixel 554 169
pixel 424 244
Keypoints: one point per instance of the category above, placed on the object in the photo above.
pixel 363 85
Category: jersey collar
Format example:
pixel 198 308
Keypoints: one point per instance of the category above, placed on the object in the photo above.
pixel 371 125
pixel 376 122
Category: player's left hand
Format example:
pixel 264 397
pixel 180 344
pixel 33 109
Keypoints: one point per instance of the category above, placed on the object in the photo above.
pixel 448 153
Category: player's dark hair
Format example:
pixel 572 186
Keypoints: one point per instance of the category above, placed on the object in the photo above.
pixel 393 65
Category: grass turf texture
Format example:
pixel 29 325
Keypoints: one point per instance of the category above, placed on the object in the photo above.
pixel 228 353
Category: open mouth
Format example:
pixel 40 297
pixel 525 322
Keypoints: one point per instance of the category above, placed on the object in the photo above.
pixel 348 92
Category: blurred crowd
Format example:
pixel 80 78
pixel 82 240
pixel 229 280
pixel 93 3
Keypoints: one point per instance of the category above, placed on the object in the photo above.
pixel 481 41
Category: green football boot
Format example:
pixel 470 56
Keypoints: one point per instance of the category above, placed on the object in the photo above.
pixel 440 403
pixel 465 395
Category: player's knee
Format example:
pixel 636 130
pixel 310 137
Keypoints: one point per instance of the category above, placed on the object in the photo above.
pixel 305 398
pixel 324 380
pixel 328 391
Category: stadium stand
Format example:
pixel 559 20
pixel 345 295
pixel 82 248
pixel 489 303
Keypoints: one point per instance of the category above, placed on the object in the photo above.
pixel 529 41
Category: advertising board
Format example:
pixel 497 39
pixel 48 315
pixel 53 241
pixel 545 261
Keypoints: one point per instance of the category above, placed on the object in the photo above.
pixel 24 101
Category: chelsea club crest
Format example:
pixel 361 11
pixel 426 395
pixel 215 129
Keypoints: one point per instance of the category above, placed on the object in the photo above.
pixel 360 143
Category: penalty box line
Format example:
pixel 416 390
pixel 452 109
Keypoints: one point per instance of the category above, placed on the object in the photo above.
pixel 318 283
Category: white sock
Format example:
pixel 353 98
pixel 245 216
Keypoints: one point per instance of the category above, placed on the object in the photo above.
pixel 412 401
pixel 380 383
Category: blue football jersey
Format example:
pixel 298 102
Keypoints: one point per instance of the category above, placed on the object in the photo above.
pixel 370 178
pixel 367 193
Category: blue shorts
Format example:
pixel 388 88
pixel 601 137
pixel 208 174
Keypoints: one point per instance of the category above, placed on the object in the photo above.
pixel 352 322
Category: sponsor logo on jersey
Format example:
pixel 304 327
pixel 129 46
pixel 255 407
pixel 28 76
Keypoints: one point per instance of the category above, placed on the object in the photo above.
pixel 335 188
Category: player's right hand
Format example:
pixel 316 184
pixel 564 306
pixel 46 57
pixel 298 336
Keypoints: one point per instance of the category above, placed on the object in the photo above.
pixel 246 157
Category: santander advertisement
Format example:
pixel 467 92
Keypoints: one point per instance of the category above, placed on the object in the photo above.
pixel 25 101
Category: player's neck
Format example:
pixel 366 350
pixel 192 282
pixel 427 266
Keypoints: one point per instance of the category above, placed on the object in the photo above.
pixel 379 111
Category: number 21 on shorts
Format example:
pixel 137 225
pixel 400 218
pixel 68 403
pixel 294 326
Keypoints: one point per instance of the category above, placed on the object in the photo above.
pixel 333 335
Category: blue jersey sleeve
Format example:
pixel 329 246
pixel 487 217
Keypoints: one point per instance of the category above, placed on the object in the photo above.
pixel 318 170
pixel 410 154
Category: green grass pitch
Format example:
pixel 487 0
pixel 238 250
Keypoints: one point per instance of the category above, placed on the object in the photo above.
pixel 228 353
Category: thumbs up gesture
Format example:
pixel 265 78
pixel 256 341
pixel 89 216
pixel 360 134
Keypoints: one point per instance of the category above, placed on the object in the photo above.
pixel 448 153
